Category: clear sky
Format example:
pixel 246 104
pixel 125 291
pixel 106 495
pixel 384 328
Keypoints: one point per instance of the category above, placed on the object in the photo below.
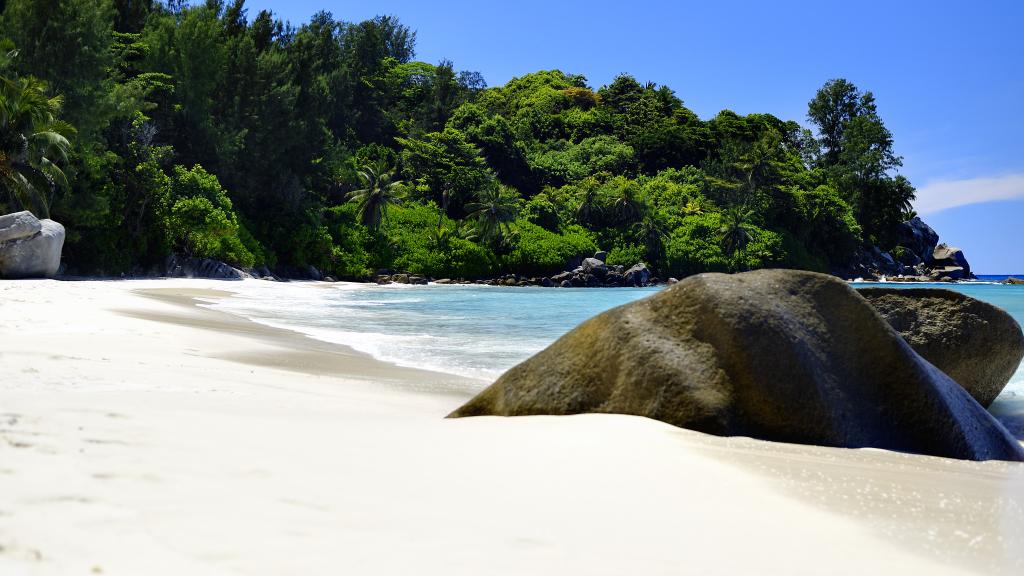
pixel 948 76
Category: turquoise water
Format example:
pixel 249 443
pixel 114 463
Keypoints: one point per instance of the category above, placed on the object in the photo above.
pixel 475 331
pixel 481 331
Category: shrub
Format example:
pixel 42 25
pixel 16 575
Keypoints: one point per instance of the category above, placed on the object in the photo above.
pixel 827 225
pixel 351 244
pixel 541 252
pixel 626 255
pixel 202 221
pixel 542 212
pixel 694 248
pixel 413 245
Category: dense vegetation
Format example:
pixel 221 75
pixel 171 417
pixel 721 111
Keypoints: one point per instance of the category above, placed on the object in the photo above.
pixel 150 127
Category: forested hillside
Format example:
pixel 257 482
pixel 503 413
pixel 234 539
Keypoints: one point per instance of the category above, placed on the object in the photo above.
pixel 148 128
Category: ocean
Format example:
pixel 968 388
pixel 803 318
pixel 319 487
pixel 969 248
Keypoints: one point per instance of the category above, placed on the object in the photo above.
pixel 481 331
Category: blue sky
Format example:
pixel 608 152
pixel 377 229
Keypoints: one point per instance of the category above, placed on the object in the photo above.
pixel 948 76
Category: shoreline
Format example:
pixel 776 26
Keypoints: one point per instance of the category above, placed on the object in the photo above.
pixel 144 433
pixel 293 350
pixel 1005 279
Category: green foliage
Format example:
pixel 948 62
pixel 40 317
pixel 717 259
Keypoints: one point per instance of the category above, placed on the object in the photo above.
pixel 693 247
pixel 826 224
pixel 567 162
pixel 202 221
pixel 696 246
pixel 413 246
pixel 735 233
pixel 33 144
pixel 539 251
pixel 351 256
pixel 494 209
pixel 66 43
pixel 297 137
pixel 444 168
pixel 379 191
pixel 857 154
pixel 540 210
pixel 626 255
pixel 197 226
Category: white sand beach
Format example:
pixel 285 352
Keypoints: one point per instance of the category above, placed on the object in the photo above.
pixel 141 434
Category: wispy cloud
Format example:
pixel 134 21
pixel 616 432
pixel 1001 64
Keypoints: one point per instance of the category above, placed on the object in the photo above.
pixel 943 194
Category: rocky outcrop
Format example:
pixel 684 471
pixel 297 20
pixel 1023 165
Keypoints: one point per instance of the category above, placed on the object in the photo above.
pixel 403 279
pixel 637 275
pixel 29 247
pixel 917 257
pixel 193 267
pixel 870 263
pixel 948 261
pixel 919 240
pixel 594 272
pixel 975 343
pixel 778 355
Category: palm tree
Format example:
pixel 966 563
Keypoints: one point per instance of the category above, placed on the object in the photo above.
pixel 589 211
pixel 33 142
pixel 494 210
pixel 441 239
pixel 627 207
pixel 693 207
pixel 653 237
pixel 735 231
pixel 378 192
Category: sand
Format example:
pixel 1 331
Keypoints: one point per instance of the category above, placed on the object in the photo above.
pixel 141 434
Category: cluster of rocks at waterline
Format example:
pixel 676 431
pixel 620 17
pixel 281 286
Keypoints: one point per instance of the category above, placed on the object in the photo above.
pixel 977 344
pixel 590 272
pixel 778 355
pixel 184 266
pixel 179 266
pixel 918 257
pixel 29 247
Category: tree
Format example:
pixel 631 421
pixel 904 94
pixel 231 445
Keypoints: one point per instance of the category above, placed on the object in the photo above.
pixel 496 207
pixel 131 14
pixel 66 43
pixel 378 192
pixel 589 211
pixel 653 236
pixel 197 226
pixel 34 143
pixel 857 155
pixel 832 108
pixel 735 232
pixel 445 169
pixel 627 208
pixel 202 220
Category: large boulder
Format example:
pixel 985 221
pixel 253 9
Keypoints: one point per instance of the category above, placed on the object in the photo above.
pixel 975 343
pixel 778 355
pixel 949 257
pixel 594 266
pixel 637 275
pixel 18 225
pixel 31 248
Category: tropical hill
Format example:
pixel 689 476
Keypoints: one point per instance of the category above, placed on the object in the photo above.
pixel 149 128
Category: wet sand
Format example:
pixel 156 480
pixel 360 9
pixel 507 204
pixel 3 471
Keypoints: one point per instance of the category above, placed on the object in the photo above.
pixel 143 434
